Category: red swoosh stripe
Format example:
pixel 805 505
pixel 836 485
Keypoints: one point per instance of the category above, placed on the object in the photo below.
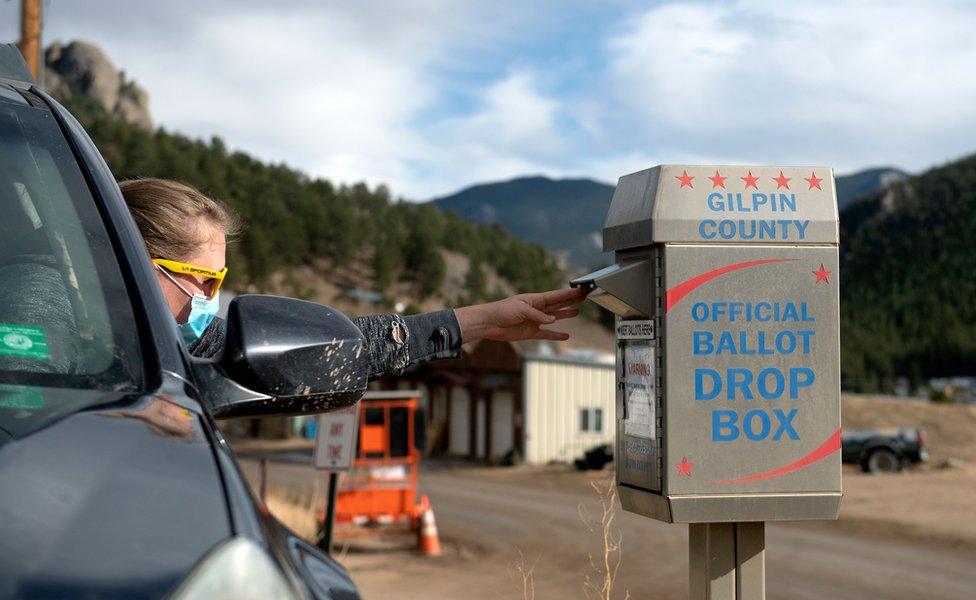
pixel 826 449
pixel 676 293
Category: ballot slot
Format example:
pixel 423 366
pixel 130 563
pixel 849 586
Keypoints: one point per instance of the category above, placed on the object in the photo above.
pixel 621 288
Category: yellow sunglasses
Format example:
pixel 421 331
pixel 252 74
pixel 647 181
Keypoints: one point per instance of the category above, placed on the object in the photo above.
pixel 187 269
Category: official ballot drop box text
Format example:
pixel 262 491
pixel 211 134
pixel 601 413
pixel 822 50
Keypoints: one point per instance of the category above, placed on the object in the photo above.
pixel 725 292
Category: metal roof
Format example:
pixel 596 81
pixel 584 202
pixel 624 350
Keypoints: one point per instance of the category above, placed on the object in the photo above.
pixel 580 361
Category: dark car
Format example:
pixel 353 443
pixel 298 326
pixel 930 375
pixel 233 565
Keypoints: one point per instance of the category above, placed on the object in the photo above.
pixel 884 450
pixel 595 458
pixel 115 481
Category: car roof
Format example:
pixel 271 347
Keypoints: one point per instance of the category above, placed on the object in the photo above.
pixel 13 68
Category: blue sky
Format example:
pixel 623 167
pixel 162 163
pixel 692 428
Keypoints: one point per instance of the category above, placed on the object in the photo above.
pixel 429 96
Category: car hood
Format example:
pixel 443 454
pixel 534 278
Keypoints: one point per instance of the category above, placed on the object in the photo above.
pixel 120 500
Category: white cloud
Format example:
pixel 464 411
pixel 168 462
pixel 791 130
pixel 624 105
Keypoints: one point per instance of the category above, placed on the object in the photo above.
pixel 321 90
pixel 346 91
pixel 513 131
pixel 330 88
pixel 842 83
pixel 515 117
pixel 429 95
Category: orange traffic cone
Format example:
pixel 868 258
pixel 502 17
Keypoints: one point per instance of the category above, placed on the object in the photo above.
pixel 427 539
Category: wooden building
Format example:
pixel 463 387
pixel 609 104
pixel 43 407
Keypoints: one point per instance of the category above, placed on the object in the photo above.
pixel 504 401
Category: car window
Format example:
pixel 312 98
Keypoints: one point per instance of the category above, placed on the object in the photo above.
pixel 65 315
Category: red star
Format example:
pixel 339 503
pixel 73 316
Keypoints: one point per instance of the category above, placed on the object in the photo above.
pixel 814 181
pixel 821 274
pixel 781 181
pixel 718 180
pixel 685 179
pixel 750 180
pixel 684 467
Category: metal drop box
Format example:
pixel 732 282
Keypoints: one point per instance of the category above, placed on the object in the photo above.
pixel 725 291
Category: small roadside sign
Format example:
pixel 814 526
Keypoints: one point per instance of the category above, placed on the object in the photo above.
pixel 335 439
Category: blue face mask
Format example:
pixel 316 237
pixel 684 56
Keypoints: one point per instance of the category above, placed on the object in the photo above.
pixel 202 313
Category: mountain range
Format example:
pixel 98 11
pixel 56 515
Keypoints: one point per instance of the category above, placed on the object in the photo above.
pixel 566 215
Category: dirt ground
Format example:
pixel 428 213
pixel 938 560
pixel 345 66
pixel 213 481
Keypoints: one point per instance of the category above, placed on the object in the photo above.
pixel 950 428
pixel 911 535
pixel 919 543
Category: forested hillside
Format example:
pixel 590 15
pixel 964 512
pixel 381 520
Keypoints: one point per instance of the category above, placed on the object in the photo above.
pixel 294 220
pixel 908 265
pixel 864 183
pixel 908 277
pixel 566 215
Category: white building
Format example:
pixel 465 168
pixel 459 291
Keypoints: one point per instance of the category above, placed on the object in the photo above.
pixel 502 398
pixel 568 409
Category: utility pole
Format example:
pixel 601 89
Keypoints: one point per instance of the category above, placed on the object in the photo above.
pixel 30 35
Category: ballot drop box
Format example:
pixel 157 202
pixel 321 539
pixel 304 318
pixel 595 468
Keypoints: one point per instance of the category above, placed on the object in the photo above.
pixel 725 291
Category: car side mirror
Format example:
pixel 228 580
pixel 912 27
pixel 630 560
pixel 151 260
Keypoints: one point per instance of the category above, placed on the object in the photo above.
pixel 284 356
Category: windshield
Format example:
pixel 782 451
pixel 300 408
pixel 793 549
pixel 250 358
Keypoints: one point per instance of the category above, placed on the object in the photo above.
pixel 65 317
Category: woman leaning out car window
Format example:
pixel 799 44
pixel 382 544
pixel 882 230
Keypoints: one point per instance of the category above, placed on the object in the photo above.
pixel 186 234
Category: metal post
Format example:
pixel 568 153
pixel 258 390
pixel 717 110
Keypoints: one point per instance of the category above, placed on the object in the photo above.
pixel 264 481
pixel 750 561
pixel 325 544
pixel 726 561
pixel 711 561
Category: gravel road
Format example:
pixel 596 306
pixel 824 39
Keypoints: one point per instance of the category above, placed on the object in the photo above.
pixel 486 516
pixel 539 513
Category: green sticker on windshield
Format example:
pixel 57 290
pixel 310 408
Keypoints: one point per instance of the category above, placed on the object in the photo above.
pixel 26 341
pixel 21 398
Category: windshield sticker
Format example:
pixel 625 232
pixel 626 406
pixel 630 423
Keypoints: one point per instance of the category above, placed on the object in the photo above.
pixel 26 341
pixel 21 398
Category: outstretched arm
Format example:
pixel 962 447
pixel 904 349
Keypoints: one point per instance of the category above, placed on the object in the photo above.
pixel 519 317
pixel 395 342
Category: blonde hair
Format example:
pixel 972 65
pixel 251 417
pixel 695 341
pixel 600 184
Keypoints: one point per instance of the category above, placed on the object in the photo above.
pixel 168 214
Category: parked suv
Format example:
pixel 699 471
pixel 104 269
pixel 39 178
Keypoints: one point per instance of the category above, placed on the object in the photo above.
pixel 115 481
pixel 884 450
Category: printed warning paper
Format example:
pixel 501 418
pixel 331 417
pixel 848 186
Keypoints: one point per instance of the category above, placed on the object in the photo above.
pixel 639 390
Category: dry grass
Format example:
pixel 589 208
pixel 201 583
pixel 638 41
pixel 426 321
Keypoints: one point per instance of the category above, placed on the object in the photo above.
pixel 600 583
pixel 297 510
pixel 523 574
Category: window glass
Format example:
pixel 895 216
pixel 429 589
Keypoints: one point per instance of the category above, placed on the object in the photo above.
pixel 399 431
pixel 584 419
pixel 65 314
pixel 598 420
pixel 374 416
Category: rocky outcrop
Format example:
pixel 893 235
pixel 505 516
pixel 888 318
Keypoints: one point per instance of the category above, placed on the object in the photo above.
pixel 81 67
